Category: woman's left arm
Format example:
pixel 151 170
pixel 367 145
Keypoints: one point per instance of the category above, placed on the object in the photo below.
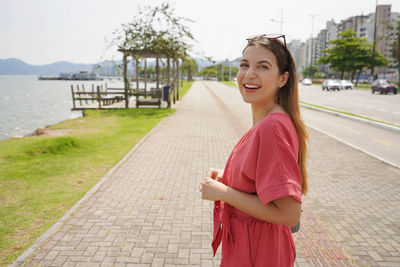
pixel 285 210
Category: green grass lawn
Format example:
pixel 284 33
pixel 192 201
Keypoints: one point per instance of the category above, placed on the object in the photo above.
pixel 350 114
pixel 184 88
pixel 42 177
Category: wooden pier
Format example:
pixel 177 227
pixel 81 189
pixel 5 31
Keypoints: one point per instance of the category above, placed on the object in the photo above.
pixel 103 97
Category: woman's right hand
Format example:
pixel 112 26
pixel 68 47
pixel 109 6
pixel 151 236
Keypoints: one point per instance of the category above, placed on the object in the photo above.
pixel 215 174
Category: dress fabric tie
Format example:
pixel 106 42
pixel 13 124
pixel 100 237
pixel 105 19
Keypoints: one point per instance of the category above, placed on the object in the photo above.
pixel 222 224
pixel 222 215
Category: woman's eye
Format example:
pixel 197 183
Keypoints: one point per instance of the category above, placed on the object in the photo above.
pixel 263 67
pixel 243 65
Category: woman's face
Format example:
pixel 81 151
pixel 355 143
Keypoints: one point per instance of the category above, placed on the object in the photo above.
pixel 258 76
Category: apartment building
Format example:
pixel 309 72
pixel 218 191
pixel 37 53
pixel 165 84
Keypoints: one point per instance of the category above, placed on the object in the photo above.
pixel 363 26
pixel 298 50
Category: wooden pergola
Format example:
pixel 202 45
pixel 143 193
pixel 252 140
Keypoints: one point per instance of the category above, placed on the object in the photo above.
pixel 172 78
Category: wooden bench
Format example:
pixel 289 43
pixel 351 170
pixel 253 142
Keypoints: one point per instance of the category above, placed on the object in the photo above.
pixel 153 97
pixel 109 100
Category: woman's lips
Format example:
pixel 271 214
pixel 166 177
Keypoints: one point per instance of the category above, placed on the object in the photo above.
pixel 248 87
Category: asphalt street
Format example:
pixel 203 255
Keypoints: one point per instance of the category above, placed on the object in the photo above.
pixel 380 143
pixel 361 102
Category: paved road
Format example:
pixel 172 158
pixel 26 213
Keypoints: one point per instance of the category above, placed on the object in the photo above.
pixel 362 102
pixel 376 141
pixel 148 211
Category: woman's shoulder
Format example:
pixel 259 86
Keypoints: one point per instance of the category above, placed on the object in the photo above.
pixel 276 120
pixel 279 126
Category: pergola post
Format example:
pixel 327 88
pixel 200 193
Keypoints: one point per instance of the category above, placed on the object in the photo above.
pixel 145 77
pixel 168 71
pixel 137 74
pixel 173 78
pixel 157 74
pixel 177 79
pixel 126 81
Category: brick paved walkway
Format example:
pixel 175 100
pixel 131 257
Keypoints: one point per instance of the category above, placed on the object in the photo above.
pixel 148 212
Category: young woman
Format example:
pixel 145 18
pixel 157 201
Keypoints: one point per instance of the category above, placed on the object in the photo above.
pixel 258 195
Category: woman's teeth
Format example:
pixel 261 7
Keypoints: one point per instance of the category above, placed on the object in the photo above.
pixel 250 86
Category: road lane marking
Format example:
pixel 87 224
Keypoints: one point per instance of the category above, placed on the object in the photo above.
pixel 381 109
pixel 354 146
pixel 355 132
pixel 382 142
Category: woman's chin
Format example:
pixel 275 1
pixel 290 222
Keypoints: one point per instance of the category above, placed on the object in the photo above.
pixel 247 99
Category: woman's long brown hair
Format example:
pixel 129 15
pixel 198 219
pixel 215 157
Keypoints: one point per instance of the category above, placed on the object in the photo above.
pixel 288 98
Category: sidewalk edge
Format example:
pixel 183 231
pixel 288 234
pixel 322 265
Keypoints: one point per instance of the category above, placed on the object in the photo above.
pixel 373 123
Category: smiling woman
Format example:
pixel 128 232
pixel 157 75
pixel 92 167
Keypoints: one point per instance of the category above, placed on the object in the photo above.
pixel 259 79
pixel 258 195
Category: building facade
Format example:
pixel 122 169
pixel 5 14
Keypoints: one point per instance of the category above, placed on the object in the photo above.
pixel 363 26
pixel 298 50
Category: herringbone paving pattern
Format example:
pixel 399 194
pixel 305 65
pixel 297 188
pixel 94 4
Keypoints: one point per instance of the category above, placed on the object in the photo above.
pixel 149 211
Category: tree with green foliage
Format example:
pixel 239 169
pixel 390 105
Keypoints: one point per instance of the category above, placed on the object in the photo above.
pixel 215 71
pixel 208 72
pixel 351 54
pixel 396 49
pixel 364 59
pixel 155 29
pixel 310 71
pixel 150 72
pixel 189 67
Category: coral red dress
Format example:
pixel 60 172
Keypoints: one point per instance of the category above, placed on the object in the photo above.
pixel 263 162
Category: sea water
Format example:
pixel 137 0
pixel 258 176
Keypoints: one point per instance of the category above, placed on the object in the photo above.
pixel 26 103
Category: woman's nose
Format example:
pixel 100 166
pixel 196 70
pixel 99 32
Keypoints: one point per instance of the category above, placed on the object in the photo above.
pixel 250 73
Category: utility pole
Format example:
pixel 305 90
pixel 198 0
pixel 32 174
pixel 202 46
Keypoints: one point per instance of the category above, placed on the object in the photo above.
pixel 374 43
pixel 312 41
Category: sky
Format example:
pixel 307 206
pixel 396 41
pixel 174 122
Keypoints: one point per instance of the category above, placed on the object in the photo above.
pixel 46 31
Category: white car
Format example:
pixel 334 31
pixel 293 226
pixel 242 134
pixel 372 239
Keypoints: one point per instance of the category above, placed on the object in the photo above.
pixel 346 84
pixel 306 81
pixel 331 85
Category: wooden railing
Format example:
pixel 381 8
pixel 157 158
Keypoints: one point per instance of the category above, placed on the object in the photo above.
pixel 102 97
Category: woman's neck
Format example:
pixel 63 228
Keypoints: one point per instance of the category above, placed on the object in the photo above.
pixel 260 112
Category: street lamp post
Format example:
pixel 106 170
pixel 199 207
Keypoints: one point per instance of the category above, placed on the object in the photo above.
pixel 312 41
pixel 374 44
pixel 279 21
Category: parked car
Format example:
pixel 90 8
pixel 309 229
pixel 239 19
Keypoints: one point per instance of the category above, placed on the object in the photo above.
pixel 331 85
pixel 346 84
pixel 306 81
pixel 383 86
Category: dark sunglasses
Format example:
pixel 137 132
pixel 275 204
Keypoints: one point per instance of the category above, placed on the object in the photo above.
pixel 269 36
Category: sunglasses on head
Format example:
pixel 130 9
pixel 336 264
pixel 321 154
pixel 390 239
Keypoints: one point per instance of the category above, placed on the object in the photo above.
pixel 269 36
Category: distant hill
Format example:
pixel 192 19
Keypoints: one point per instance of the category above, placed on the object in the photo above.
pixel 17 66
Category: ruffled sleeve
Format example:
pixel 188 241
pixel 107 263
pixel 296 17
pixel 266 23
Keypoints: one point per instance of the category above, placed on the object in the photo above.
pixel 277 172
